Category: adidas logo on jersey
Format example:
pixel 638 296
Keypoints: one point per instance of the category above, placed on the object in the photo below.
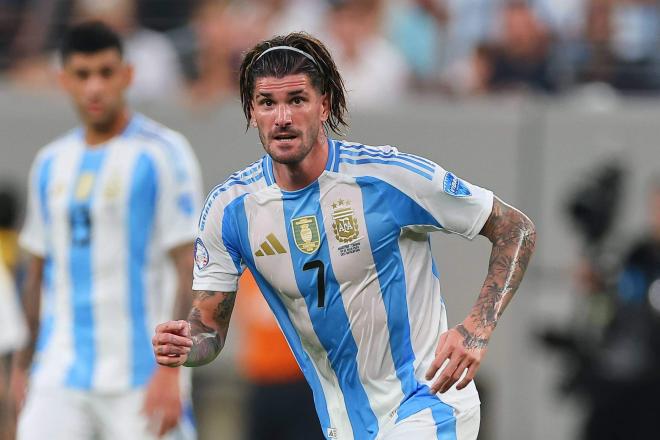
pixel 271 246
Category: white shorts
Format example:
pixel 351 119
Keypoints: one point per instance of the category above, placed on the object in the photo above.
pixel 423 426
pixel 65 414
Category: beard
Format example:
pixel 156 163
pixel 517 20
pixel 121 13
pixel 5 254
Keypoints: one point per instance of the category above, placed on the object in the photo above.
pixel 291 156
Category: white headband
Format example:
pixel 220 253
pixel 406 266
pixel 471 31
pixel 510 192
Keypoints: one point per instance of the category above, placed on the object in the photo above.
pixel 301 52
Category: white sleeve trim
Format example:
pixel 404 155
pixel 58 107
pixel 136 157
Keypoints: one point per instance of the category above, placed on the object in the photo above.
pixel 216 286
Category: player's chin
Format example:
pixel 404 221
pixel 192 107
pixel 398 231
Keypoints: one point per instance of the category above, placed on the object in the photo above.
pixel 287 154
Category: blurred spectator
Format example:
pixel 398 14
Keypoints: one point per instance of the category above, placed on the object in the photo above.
pixel 519 58
pixel 621 44
pixel 279 402
pixel 564 18
pixel 418 29
pixel 375 73
pixel 210 51
pixel 279 17
pixel 164 15
pixel 522 58
pixel 10 13
pixel 471 76
pixel 471 22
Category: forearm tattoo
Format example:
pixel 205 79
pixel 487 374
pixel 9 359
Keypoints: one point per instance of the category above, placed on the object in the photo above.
pixel 208 340
pixel 469 340
pixel 514 237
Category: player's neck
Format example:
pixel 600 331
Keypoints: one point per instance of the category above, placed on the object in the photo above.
pixel 95 136
pixel 292 177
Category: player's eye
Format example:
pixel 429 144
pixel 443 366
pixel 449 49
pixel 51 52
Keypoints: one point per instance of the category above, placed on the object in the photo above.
pixel 82 74
pixel 267 102
pixel 107 72
pixel 297 100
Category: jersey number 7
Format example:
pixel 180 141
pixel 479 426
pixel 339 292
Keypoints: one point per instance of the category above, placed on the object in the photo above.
pixel 320 279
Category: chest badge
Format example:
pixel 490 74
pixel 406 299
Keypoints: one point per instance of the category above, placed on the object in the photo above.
pixel 306 233
pixel 113 188
pixel 84 186
pixel 345 224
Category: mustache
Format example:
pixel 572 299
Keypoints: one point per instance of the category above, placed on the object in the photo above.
pixel 285 132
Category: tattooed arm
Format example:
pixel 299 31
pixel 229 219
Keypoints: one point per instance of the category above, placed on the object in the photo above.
pixel 513 236
pixel 198 340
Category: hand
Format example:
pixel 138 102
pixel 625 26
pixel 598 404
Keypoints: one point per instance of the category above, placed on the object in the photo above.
pixel 172 343
pixel 463 351
pixel 162 402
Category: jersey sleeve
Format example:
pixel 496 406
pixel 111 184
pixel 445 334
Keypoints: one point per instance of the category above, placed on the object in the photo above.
pixel 33 234
pixel 218 262
pixel 459 206
pixel 180 197
pixel 429 197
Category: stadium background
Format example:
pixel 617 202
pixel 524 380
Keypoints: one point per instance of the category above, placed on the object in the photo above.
pixel 535 146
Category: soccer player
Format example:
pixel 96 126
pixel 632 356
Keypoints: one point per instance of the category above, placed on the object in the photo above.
pixel 336 235
pixel 110 205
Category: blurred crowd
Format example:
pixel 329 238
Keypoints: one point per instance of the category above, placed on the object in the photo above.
pixel 191 49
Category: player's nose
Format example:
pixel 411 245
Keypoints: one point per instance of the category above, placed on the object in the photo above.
pixel 283 117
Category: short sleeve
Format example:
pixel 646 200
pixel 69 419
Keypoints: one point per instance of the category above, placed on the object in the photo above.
pixel 180 196
pixel 218 263
pixel 428 196
pixel 33 234
pixel 459 206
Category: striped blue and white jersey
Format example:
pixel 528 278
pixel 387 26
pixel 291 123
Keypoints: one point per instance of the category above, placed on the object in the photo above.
pixel 104 219
pixel 346 266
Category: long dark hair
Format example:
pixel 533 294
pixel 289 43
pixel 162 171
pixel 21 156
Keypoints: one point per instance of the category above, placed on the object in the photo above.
pixel 322 72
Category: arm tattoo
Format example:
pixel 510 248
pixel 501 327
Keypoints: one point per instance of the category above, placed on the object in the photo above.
pixel 514 237
pixel 470 341
pixel 209 334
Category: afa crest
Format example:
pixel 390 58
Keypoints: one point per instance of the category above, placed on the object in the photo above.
pixel 306 233
pixel 345 225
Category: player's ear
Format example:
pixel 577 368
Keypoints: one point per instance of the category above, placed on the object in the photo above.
pixel 253 122
pixel 128 73
pixel 325 107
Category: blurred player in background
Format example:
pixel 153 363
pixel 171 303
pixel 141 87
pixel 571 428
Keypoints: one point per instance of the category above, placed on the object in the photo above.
pixel 109 204
pixel 337 236
pixel 279 401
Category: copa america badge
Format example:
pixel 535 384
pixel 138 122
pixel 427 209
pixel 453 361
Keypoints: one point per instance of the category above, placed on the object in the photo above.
pixel 201 254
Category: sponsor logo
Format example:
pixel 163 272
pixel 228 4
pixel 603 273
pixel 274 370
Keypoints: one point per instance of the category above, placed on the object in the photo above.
pixel 306 233
pixel 332 433
pixel 201 254
pixel 454 186
pixel 271 246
